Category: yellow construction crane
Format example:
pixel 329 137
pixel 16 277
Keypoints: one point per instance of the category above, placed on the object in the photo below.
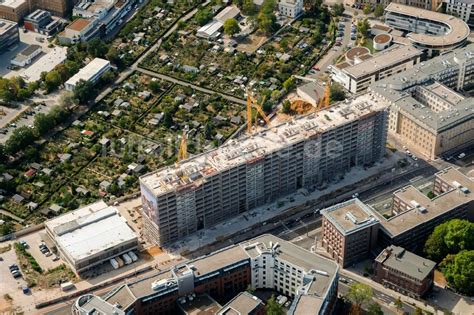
pixel 324 101
pixel 183 147
pixel 253 102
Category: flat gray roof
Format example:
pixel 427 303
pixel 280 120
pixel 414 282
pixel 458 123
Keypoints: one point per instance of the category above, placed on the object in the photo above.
pixel 458 29
pixel 6 25
pixel 243 303
pixel 350 216
pixel 425 73
pixel 435 207
pixel 398 258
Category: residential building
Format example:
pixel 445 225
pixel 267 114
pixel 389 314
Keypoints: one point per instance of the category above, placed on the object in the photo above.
pixel 463 9
pixel 414 215
pixel 80 30
pixel 361 69
pixel 91 72
pixel 257 169
pixel 427 30
pixel 426 113
pixel 26 56
pixel 290 8
pixel 105 14
pixel 402 271
pixel 9 34
pixel 265 262
pixel 90 236
pixel 349 231
pixel 15 10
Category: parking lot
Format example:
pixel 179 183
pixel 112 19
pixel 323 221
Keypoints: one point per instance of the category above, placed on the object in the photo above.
pixel 46 262
pixel 7 282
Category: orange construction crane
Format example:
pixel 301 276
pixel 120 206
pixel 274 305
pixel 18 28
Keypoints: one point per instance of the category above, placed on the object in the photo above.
pixel 324 101
pixel 183 147
pixel 253 102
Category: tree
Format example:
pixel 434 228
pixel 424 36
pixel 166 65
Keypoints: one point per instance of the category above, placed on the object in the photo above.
pixel 363 27
pixel 459 271
pixel 289 84
pixel 337 93
pixel 266 19
pixel 202 16
pixel 367 9
pixel 378 11
pixel 273 308
pixel 84 91
pixel 398 303
pixel 52 81
pixel 248 7
pixel 459 235
pixel 286 107
pixel 167 119
pixel 374 309
pixel 231 27
pixel 43 123
pixel 96 48
pixel 7 90
pixel 338 9
pixel 418 311
pixel 67 100
pixel 154 86
pixel 359 294
pixel 435 248
pixel 19 140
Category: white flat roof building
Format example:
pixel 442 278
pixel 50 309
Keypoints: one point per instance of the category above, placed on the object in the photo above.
pixel 45 63
pixel 91 235
pixel 91 72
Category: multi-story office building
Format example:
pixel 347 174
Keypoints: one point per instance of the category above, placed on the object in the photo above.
pixel 59 8
pixel 463 9
pixel 106 14
pixel 361 70
pixel 403 271
pixel 9 34
pixel 425 113
pixel 427 30
pixel 80 30
pixel 40 21
pixel 414 215
pixel 349 231
pixel 433 5
pixel 254 170
pixel 92 72
pixel 90 236
pixel 265 262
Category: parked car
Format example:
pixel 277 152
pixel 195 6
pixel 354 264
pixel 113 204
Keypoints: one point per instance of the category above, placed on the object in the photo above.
pixel 13 267
pixel 16 274
pixel 462 155
pixel 24 244
pixel 25 289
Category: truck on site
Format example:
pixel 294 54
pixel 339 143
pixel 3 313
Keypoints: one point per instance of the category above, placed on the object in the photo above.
pixel 127 259
pixel 114 263
pixel 133 256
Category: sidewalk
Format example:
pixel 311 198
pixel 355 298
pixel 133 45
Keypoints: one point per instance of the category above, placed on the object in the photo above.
pixel 389 292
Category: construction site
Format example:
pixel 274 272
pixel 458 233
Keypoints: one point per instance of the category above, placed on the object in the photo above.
pixel 304 153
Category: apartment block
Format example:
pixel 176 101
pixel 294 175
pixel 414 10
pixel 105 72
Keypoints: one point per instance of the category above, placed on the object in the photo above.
pixel 361 69
pixel 464 9
pixel 426 112
pixel 254 170
pixel 404 272
pixel 265 262
pixel 349 232
pixel 9 34
pixel 290 8
pixel 15 10
pixel 427 30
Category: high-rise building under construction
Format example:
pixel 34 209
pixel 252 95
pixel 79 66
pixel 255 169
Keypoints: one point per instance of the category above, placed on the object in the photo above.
pixel 251 171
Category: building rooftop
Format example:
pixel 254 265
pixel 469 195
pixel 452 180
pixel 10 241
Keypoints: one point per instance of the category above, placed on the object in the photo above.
pixel 45 63
pixel 322 269
pixel 457 32
pixel 91 304
pixel 382 60
pixel 229 12
pixel 94 7
pixel 350 216
pixel 88 71
pixel 6 25
pixel 425 209
pixel 399 259
pixel 90 230
pixel 79 24
pixel 425 73
pixel 200 305
pixel 12 3
pixel 31 49
pixel 244 303
pixel 247 149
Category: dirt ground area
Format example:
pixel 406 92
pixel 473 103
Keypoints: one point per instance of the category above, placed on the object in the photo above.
pixel 251 43
pixel 439 279
pixel 154 251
